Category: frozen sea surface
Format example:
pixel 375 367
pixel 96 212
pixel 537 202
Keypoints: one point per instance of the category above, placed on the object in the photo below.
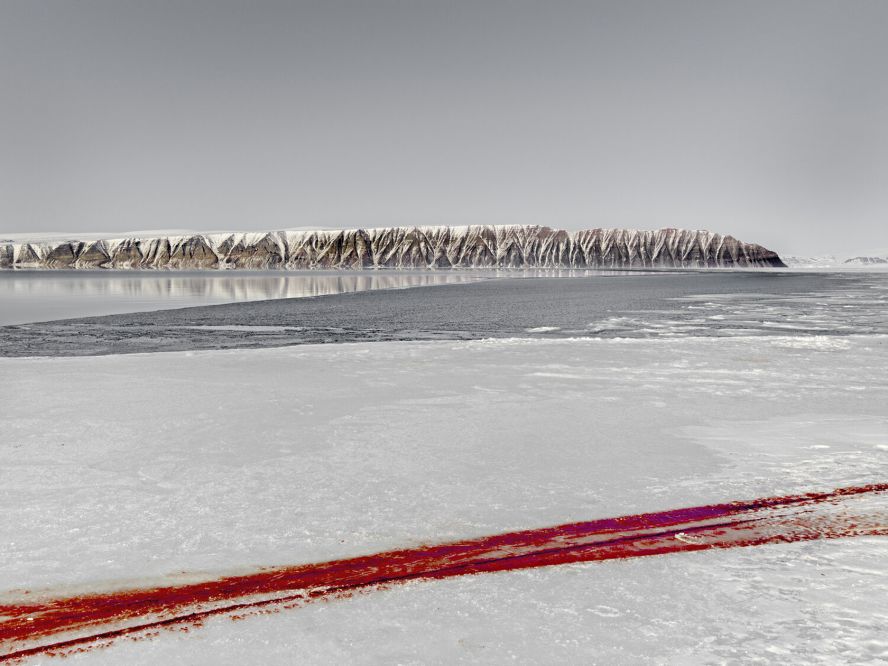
pixel 131 469
pixel 122 469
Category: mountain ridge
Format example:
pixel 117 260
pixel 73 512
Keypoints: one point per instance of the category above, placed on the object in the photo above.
pixel 481 246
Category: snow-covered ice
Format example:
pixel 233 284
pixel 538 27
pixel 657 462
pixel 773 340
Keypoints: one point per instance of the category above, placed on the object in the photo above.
pixel 123 469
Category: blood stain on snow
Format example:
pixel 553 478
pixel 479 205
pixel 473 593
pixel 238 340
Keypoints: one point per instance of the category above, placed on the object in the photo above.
pixel 64 625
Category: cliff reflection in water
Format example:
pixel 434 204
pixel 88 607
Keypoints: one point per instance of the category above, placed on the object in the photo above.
pixel 31 296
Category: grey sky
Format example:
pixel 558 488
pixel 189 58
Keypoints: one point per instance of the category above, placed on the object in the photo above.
pixel 766 120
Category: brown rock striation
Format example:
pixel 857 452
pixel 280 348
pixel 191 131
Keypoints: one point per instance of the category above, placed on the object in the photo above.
pixel 402 247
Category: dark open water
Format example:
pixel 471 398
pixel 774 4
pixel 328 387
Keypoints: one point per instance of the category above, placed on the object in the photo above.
pixel 625 305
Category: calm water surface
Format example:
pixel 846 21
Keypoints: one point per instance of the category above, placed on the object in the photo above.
pixel 32 296
pixel 658 305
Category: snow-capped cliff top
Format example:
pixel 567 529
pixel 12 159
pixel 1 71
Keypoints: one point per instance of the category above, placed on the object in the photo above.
pixel 398 247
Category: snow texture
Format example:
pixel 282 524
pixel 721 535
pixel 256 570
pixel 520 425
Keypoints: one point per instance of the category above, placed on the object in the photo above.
pixel 137 468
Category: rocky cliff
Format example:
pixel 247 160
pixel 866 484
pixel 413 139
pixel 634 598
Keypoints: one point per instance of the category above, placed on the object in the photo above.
pixel 400 247
pixel 867 261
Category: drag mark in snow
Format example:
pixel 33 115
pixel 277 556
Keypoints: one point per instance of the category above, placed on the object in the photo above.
pixel 61 625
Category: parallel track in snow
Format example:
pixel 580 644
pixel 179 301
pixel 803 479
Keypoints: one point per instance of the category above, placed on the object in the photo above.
pixel 62 625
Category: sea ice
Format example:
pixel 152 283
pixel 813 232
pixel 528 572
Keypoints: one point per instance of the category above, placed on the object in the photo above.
pixel 134 469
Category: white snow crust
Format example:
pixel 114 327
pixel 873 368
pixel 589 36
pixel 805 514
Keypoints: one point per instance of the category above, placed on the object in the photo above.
pixel 125 469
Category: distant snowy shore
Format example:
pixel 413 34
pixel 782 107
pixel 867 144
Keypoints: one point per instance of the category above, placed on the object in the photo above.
pixel 832 261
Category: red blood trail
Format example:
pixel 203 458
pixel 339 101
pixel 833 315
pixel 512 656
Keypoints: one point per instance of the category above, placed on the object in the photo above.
pixel 53 625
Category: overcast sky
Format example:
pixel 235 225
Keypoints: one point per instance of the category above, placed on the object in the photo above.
pixel 765 120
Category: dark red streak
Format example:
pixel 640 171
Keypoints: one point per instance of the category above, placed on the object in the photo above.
pixel 59 624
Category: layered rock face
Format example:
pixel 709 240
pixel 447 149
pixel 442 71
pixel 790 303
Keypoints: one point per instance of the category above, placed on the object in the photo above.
pixel 401 247
pixel 866 261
